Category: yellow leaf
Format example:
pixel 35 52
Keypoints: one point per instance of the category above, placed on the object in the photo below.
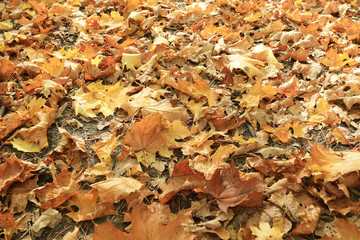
pixel 103 149
pixel 253 17
pixel 96 61
pixel 265 232
pixel 243 141
pixel 25 146
pixel 54 67
pixel 6 25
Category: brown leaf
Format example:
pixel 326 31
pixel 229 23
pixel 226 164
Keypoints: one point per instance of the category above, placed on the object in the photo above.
pixel 182 178
pixel 347 230
pixel 146 134
pixel 146 223
pixel 230 191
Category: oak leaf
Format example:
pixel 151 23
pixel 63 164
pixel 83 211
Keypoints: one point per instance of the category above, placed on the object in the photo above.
pixel 146 134
pixel 230 191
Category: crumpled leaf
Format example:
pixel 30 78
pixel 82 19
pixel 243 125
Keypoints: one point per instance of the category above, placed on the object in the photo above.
pixel 50 218
pixel 104 149
pixel 146 134
pixel 230 191
pixel 71 150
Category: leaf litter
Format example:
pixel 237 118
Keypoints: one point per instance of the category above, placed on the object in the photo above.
pixel 179 119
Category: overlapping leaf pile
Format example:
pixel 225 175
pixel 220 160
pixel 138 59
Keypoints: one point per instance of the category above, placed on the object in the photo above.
pixel 207 116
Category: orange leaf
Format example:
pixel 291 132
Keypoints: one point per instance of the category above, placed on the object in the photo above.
pixel 146 224
pixel 348 231
pixel 146 134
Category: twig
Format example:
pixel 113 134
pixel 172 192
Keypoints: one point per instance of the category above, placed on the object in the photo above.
pixel 338 130
pixel 65 230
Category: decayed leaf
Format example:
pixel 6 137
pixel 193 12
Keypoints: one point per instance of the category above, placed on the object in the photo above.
pixel 146 224
pixel 7 221
pixel 230 191
pixel 50 218
pixel 146 134
pixel 113 189
pixel 74 235
pixel 71 150
pixel 182 178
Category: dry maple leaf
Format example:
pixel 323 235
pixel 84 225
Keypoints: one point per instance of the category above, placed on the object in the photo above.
pixel 104 148
pixel 146 134
pixel 347 230
pixel 332 164
pixel 230 191
pixel 14 170
pixel 86 207
pixel 265 232
pixel 59 191
pixel 69 151
pixel 182 178
pixel 113 189
pixel 146 223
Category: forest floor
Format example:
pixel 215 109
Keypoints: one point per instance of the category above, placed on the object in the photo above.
pixel 150 119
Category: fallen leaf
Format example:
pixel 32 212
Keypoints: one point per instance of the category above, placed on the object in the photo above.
pixel 146 134
pixel 86 207
pixel 230 191
pixel 146 224
pixel 114 189
pixel 182 178
pixel 50 218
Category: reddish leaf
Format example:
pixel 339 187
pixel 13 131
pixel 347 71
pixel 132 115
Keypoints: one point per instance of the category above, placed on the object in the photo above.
pixel 182 178
pixel 7 220
pixel 230 191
